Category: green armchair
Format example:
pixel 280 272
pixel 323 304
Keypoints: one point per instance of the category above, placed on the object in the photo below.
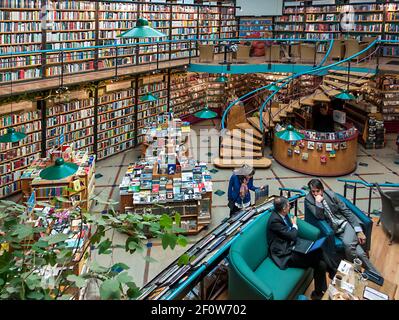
pixel 252 273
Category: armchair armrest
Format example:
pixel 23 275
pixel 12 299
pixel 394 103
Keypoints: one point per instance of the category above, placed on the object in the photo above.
pixel 307 231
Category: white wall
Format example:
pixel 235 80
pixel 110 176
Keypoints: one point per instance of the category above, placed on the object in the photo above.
pixel 260 7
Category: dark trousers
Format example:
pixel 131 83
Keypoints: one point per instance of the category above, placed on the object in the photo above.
pixel 234 211
pixel 312 260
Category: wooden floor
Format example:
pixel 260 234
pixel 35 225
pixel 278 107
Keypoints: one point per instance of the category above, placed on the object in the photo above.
pixel 384 257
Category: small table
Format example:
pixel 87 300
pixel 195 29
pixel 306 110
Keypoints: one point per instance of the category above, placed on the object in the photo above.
pixel 388 287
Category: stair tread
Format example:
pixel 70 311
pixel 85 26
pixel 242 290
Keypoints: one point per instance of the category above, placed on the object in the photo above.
pixel 331 92
pixel 256 123
pixel 321 96
pixel 237 133
pixel 232 153
pixel 353 73
pixel 341 85
pixel 235 163
pixel 246 126
pixel 307 101
pixel 352 80
pixel 237 144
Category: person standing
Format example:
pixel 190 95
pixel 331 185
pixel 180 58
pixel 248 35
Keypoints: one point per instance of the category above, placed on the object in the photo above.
pixel 324 204
pixel 282 234
pixel 239 185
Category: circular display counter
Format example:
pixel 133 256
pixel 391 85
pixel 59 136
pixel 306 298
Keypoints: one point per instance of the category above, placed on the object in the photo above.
pixel 319 153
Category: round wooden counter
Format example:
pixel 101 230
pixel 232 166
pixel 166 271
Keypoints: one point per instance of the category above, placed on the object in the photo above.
pixel 342 163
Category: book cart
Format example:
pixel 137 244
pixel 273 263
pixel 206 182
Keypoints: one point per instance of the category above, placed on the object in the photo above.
pixel 168 180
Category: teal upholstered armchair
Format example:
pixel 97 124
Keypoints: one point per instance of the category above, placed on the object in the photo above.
pixel 253 275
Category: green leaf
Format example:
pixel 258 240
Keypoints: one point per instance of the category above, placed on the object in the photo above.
pixel 55 238
pixel 104 246
pixel 33 281
pixel 169 239
pixel 166 221
pixel 95 267
pixel 79 281
pixel 183 259
pixel 182 241
pixel 120 265
pixel 1 281
pixel 133 291
pixel 177 219
pixel 62 199
pixel 35 295
pixel 149 259
pixel 22 231
pixel 110 289
pixel 124 277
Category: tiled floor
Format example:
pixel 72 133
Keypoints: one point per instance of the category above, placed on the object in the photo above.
pixel 380 168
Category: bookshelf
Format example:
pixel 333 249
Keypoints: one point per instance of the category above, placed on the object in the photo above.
pixel 116 120
pixel 74 120
pixel 252 25
pixel 17 156
pixel 77 189
pixel 83 23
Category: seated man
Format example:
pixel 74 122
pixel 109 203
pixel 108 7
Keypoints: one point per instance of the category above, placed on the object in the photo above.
pixel 324 204
pixel 282 234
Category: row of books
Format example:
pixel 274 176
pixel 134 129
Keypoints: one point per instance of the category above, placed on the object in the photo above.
pixel 70 137
pixel 111 150
pixel 9 189
pixel 72 106
pixel 8 154
pixel 29 4
pixel 12 167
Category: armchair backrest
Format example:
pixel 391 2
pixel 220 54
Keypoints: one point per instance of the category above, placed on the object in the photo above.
pixel 206 52
pixel 243 52
pixel 390 210
pixel 251 246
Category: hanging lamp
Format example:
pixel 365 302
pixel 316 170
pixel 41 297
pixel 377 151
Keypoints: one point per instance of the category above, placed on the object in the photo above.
pixel 142 30
pixel 290 134
pixel 206 113
pixel 12 135
pixel 272 87
pixel 59 170
pixel 222 78
pixel 345 94
pixel 148 97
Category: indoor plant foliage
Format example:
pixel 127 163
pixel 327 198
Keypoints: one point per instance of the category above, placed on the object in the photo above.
pixel 34 248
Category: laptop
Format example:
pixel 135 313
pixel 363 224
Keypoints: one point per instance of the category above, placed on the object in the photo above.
pixel 305 246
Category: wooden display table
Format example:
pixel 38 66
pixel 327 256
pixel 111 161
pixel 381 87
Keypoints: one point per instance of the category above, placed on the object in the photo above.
pixel 319 157
pixel 77 188
pixel 387 288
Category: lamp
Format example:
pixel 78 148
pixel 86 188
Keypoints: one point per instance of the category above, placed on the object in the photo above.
pixel 59 170
pixel 12 135
pixel 206 113
pixel 148 97
pixel 221 78
pixel 290 134
pixel 142 30
pixel 345 95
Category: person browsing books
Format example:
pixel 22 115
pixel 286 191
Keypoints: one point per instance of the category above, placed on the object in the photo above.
pixel 239 185
pixel 282 236
pixel 324 204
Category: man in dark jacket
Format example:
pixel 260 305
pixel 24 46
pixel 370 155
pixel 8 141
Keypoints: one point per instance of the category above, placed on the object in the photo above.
pixel 282 233
pixel 324 204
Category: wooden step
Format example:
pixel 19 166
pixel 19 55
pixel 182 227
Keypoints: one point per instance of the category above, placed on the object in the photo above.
pixel 352 80
pixel 331 92
pixel 228 142
pixel 320 96
pixel 307 101
pixel 256 123
pixel 295 104
pixel 241 135
pixel 236 153
pixel 263 163
pixel 249 128
pixel 353 73
pixel 340 85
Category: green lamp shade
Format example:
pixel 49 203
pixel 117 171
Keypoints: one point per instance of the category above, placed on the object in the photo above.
pixel 12 136
pixel 59 170
pixel 272 87
pixel 149 97
pixel 206 114
pixel 290 134
pixel 221 79
pixel 345 95
pixel 142 30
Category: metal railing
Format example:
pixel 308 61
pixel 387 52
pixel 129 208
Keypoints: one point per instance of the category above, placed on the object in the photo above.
pixel 353 184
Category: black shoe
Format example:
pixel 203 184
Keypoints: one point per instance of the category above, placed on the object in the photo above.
pixel 316 295
pixel 331 273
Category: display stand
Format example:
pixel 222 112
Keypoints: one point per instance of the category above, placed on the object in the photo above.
pixel 168 180
pixel 77 189
pixel 319 154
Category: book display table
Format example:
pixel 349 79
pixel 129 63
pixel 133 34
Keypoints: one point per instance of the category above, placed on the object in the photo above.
pixel 169 181
pixel 78 188
pixel 319 153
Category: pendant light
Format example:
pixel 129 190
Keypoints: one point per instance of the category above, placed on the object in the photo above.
pixel 345 94
pixel 272 87
pixel 59 170
pixel 12 135
pixel 290 134
pixel 222 78
pixel 142 30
